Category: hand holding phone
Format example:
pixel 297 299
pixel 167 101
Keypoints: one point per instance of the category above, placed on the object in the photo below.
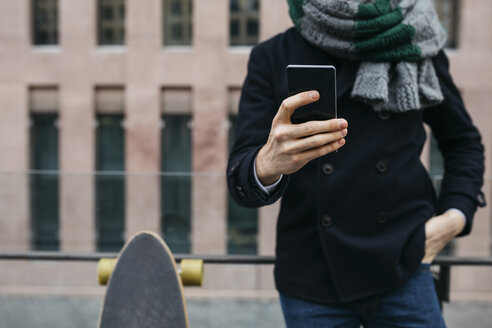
pixel 291 146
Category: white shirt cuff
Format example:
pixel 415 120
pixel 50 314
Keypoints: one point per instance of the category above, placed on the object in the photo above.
pixel 460 212
pixel 266 189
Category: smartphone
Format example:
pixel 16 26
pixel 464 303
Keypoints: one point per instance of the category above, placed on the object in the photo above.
pixel 321 78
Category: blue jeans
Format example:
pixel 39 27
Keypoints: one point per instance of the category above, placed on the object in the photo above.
pixel 414 304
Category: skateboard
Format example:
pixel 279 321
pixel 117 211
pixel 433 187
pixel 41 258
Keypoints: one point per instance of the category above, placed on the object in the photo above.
pixel 145 287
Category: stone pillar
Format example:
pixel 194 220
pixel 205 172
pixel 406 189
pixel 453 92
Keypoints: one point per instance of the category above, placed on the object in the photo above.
pixel 209 127
pixel 14 181
pixel 14 127
pixel 77 35
pixel 209 108
pixel 142 116
pixel 274 18
pixel 267 223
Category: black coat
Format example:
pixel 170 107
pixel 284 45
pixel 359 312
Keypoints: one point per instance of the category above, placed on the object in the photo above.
pixel 351 223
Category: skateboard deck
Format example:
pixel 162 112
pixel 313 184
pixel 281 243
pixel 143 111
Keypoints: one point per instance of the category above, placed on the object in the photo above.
pixel 145 288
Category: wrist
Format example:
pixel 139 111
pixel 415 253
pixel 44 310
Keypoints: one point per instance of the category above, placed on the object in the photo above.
pixel 265 174
pixel 456 222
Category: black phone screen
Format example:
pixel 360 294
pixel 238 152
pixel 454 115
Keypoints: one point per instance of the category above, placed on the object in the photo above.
pixel 321 78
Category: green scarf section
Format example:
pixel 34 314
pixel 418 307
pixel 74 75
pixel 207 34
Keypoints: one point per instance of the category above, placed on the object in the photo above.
pixel 393 39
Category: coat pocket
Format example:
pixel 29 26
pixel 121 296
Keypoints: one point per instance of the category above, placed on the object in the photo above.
pixel 412 253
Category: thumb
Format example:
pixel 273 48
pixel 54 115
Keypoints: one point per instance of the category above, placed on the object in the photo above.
pixel 289 105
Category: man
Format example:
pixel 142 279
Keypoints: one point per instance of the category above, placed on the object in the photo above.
pixel 358 228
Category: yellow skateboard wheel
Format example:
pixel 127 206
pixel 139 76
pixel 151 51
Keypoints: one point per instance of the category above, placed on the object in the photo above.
pixel 192 272
pixel 105 268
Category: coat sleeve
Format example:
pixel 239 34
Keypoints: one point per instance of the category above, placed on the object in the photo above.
pixel 257 108
pixel 460 145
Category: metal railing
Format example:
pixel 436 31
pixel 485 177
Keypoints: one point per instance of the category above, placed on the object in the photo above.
pixel 94 257
pixel 210 259
pixel 442 278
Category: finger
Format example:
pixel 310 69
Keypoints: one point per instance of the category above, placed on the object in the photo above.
pixel 315 141
pixel 314 127
pixel 311 154
pixel 289 105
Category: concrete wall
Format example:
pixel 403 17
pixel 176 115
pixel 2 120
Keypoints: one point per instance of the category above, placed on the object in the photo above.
pixel 470 65
pixel 209 70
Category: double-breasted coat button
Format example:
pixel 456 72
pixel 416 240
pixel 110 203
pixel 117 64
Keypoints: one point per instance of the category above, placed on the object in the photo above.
pixel 240 190
pixel 481 199
pixel 384 115
pixel 328 168
pixel 326 221
pixel 382 166
pixel 382 217
pixel 234 167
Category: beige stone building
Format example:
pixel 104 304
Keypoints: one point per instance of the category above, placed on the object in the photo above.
pixel 115 86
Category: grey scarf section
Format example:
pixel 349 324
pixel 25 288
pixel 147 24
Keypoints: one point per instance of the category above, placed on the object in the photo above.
pixel 387 86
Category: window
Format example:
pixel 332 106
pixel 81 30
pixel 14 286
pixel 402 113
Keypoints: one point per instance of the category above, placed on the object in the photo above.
pixel 448 11
pixel 111 22
pixel 110 182
pixel 44 22
pixel 176 189
pixel 177 22
pixel 244 22
pixel 242 222
pixel 44 186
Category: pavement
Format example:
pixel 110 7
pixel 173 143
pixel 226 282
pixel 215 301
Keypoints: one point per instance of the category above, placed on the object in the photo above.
pixel 57 311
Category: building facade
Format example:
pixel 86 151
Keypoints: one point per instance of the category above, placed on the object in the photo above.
pixel 116 116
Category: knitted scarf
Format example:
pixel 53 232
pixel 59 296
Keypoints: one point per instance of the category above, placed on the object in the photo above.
pixel 393 39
